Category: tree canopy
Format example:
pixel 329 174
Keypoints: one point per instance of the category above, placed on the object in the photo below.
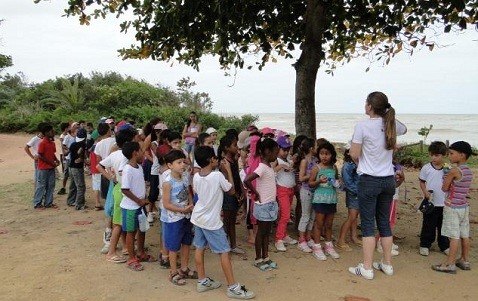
pixel 324 31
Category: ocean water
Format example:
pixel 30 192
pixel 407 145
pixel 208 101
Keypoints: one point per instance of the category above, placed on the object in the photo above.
pixel 340 127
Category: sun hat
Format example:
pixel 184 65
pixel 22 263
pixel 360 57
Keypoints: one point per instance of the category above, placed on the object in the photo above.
pixel 284 142
pixel 244 139
pixel 211 130
pixel 462 147
pixel 160 126
pixel 267 131
pixel 80 135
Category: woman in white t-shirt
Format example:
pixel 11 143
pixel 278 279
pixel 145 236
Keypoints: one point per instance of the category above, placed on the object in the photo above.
pixel 372 148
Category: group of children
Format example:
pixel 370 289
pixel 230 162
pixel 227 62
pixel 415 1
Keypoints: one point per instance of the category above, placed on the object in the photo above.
pixel 199 195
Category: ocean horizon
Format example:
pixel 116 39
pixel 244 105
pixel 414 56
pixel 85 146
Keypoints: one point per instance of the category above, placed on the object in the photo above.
pixel 339 127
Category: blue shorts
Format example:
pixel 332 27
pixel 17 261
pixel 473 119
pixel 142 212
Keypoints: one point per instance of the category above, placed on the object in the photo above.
pixel 177 233
pixel 351 201
pixel 266 212
pixel 324 208
pixel 109 200
pixel 129 219
pixel 216 239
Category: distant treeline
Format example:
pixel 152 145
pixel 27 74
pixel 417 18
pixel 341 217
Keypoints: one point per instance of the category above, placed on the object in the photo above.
pixel 24 105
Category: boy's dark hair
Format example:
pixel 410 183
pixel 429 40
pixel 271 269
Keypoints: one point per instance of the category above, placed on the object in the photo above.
pixel 126 135
pixel 164 135
pixel 90 124
pixel 330 147
pixel 265 144
pixel 347 157
pixel 129 148
pixel 81 121
pixel 203 155
pixel 200 139
pixel 173 136
pixel 46 128
pixel 40 126
pixel 64 126
pixel 438 148
pixel 174 155
pixel 103 128
pixel 232 132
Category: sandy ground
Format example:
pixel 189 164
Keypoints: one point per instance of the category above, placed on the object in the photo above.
pixel 46 257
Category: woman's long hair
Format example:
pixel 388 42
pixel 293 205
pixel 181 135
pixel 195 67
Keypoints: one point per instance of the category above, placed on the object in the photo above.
pixel 380 106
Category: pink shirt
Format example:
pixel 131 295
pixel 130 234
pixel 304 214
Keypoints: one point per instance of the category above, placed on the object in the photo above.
pixel 266 183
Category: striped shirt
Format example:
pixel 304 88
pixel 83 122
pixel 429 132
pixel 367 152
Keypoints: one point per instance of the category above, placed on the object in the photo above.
pixel 459 189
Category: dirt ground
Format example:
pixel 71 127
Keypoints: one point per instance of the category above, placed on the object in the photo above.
pixel 45 256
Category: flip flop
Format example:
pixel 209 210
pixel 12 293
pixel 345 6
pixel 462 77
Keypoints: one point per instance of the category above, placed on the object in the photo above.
pixel 147 258
pixel 99 208
pixel 116 259
pixel 135 265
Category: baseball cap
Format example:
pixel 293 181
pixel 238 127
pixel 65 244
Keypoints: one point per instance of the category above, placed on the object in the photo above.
pixel 267 131
pixel 109 120
pixel 244 139
pixel 125 126
pixel 252 128
pixel 284 142
pixel 80 135
pixel 462 147
pixel 211 130
pixel 160 126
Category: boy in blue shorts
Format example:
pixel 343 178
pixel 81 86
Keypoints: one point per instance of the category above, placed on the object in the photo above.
pixel 134 190
pixel 210 184
pixel 177 228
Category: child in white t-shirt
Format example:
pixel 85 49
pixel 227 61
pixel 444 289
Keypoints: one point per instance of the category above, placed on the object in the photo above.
pixel 210 184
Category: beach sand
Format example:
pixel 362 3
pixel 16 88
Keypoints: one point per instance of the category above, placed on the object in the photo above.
pixel 45 256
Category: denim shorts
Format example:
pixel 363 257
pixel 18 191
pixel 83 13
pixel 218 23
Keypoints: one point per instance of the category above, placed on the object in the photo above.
pixel 177 234
pixel 216 239
pixel 351 201
pixel 375 196
pixel 266 212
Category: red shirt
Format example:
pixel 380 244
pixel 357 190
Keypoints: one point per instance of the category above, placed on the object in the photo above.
pixel 93 161
pixel 47 150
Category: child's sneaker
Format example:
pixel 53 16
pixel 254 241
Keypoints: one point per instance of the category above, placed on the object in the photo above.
pixel 105 248
pixel 329 250
pixel 380 250
pixel 289 240
pixel 280 246
pixel 464 265
pixel 394 247
pixel 424 251
pixel 319 254
pixel 304 247
pixel 207 285
pixel 311 243
pixel 239 292
pixel 150 217
pixel 386 268
pixel 359 270
pixel 238 251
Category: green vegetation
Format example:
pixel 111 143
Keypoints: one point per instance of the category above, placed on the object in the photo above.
pixel 24 105
pixel 425 131
pixel 413 156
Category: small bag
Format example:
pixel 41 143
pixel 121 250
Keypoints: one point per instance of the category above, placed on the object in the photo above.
pixel 143 222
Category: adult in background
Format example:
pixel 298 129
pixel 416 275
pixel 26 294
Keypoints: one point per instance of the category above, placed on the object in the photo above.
pixel 31 149
pixel 373 143
pixel 190 132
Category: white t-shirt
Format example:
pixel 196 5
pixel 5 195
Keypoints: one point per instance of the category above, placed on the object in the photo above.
pixel 115 161
pixel 266 183
pixel 207 211
pixel 285 178
pixel 103 147
pixel 133 179
pixel 375 160
pixel 33 144
pixel 433 181
pixel 68 141
pixel 155 166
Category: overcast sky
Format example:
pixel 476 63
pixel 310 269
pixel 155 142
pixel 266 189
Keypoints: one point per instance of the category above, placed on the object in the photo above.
pixel 45 45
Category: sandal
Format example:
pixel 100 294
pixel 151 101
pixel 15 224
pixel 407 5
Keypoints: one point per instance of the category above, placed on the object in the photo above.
pixel 444 268
pixel 262 266
pixel 99 208
pixel 177 279
pixel 344 247
pixel 146 258
pixel 134 265
pixel 188 274
pixel 116 259
pixel 271 264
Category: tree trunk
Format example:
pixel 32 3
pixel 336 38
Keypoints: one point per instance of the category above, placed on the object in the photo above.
pixel 306 69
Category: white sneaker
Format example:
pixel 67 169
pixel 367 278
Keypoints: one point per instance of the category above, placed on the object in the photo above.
pixel 359 270
pixel 150 217
pixel 240 292
pixel 394 247
pixel 280 246
pixel 311 243
pixel 105 248
pixel 424 251
pixel 208 285
pixel 289 240
pixel 304 247
pixel 238 250
pixel 386 268
pixel 329 250
pixel 380 250
pixel 107 236
pixel 319 254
